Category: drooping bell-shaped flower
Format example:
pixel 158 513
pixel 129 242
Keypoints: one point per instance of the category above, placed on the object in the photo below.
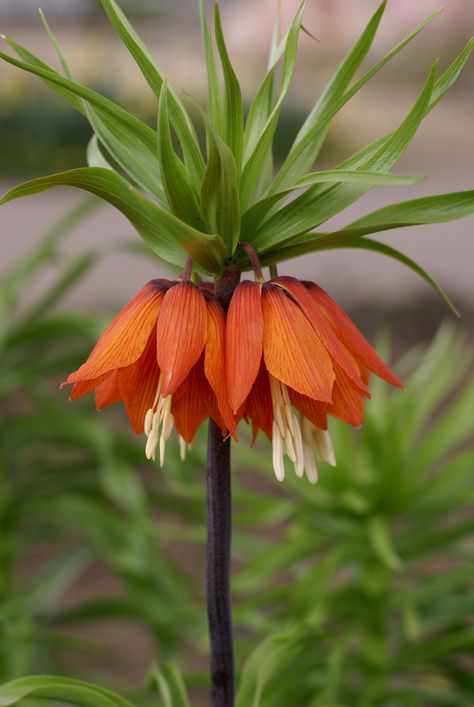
pixel 293 357
pixel 163 356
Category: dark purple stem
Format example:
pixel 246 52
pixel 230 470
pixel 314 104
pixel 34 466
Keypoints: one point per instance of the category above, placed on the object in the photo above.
pixel 218 559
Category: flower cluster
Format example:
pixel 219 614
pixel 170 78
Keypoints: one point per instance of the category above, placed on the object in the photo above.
pixel 284 357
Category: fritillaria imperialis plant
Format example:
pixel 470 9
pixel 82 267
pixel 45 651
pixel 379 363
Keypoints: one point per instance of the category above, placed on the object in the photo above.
pixel 277 353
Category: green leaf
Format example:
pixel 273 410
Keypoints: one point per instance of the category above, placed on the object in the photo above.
pixel 165 234
pixel 384 249
pixel 382 544
pixel 214 95
pixel 302 154
pixel 314 207
pixel 233 117
pixel 219 193
pixel 178 116
pixel 438 208
pixel 170 686
pixel 130 142
pixel 254 216
pixel 451 75
pixel 95 157
pixel 425 210
pixel 75 692
pixel 441 86
pixel 258 139
pixel 180 196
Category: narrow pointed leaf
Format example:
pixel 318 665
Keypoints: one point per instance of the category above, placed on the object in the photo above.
pixel 233 117
pixel 31 58
pixel 131 143
pixel 182 200
pixel 439 208
pixel 220 193
pixel 214 94
pixel 257 153
pixel 254 216
pixel 315 206
pixel 384 249
pixel 318 244
pixel 440 88
pixel 165 234
pixel 301 159
pixel 178 116
pixel 95 157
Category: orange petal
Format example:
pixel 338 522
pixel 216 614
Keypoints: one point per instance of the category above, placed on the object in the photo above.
pixel 350 335
pixel 292 351
pixel 312 409
pixel 85 386
pixel 181 333
pixel 123 342
pixel 214 358
pixel 138 384
pixel 107 392
pixel 244 340
pixel 193 403
pixel 259 407
pixel 322 328
pixel 348 403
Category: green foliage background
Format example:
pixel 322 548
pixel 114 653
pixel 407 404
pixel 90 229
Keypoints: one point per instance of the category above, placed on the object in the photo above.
pixel 355 592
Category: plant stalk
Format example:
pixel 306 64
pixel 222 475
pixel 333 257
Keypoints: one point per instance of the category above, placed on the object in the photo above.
pixel 219 528
pixel 218 557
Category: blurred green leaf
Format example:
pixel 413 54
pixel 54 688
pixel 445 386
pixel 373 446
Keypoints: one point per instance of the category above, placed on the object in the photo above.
pixel 170 686
pixel 75 692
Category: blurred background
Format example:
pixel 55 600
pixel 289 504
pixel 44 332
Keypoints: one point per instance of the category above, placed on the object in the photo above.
pixel 95 560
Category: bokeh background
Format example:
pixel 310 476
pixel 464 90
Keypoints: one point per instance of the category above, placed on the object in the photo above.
pixel 92 578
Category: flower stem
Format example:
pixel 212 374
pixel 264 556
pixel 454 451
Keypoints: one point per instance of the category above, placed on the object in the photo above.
pixel 219 531
pixel 219 609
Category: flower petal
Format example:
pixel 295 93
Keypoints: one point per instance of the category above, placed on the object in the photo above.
pixel 350 335
pixel 244 340
pixel 322 328
pixel 193 403
pixel 259 407
pixel 214 358
pixel 348 403
pixel 293 353
pixel 85 386
pixel 314 410
pixel 181 333
pixel 123 342
pixel 137 384
pixel 107 392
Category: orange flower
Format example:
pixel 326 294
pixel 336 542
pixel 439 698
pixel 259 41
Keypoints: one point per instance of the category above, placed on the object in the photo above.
pixel 289 345
pixel 163 355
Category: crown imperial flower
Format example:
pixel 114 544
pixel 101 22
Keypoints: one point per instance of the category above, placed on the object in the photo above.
pixel 290 346
pixel 163 355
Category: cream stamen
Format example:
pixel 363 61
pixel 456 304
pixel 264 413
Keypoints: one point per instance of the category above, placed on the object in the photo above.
pixel 297 437
pixel 158 424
